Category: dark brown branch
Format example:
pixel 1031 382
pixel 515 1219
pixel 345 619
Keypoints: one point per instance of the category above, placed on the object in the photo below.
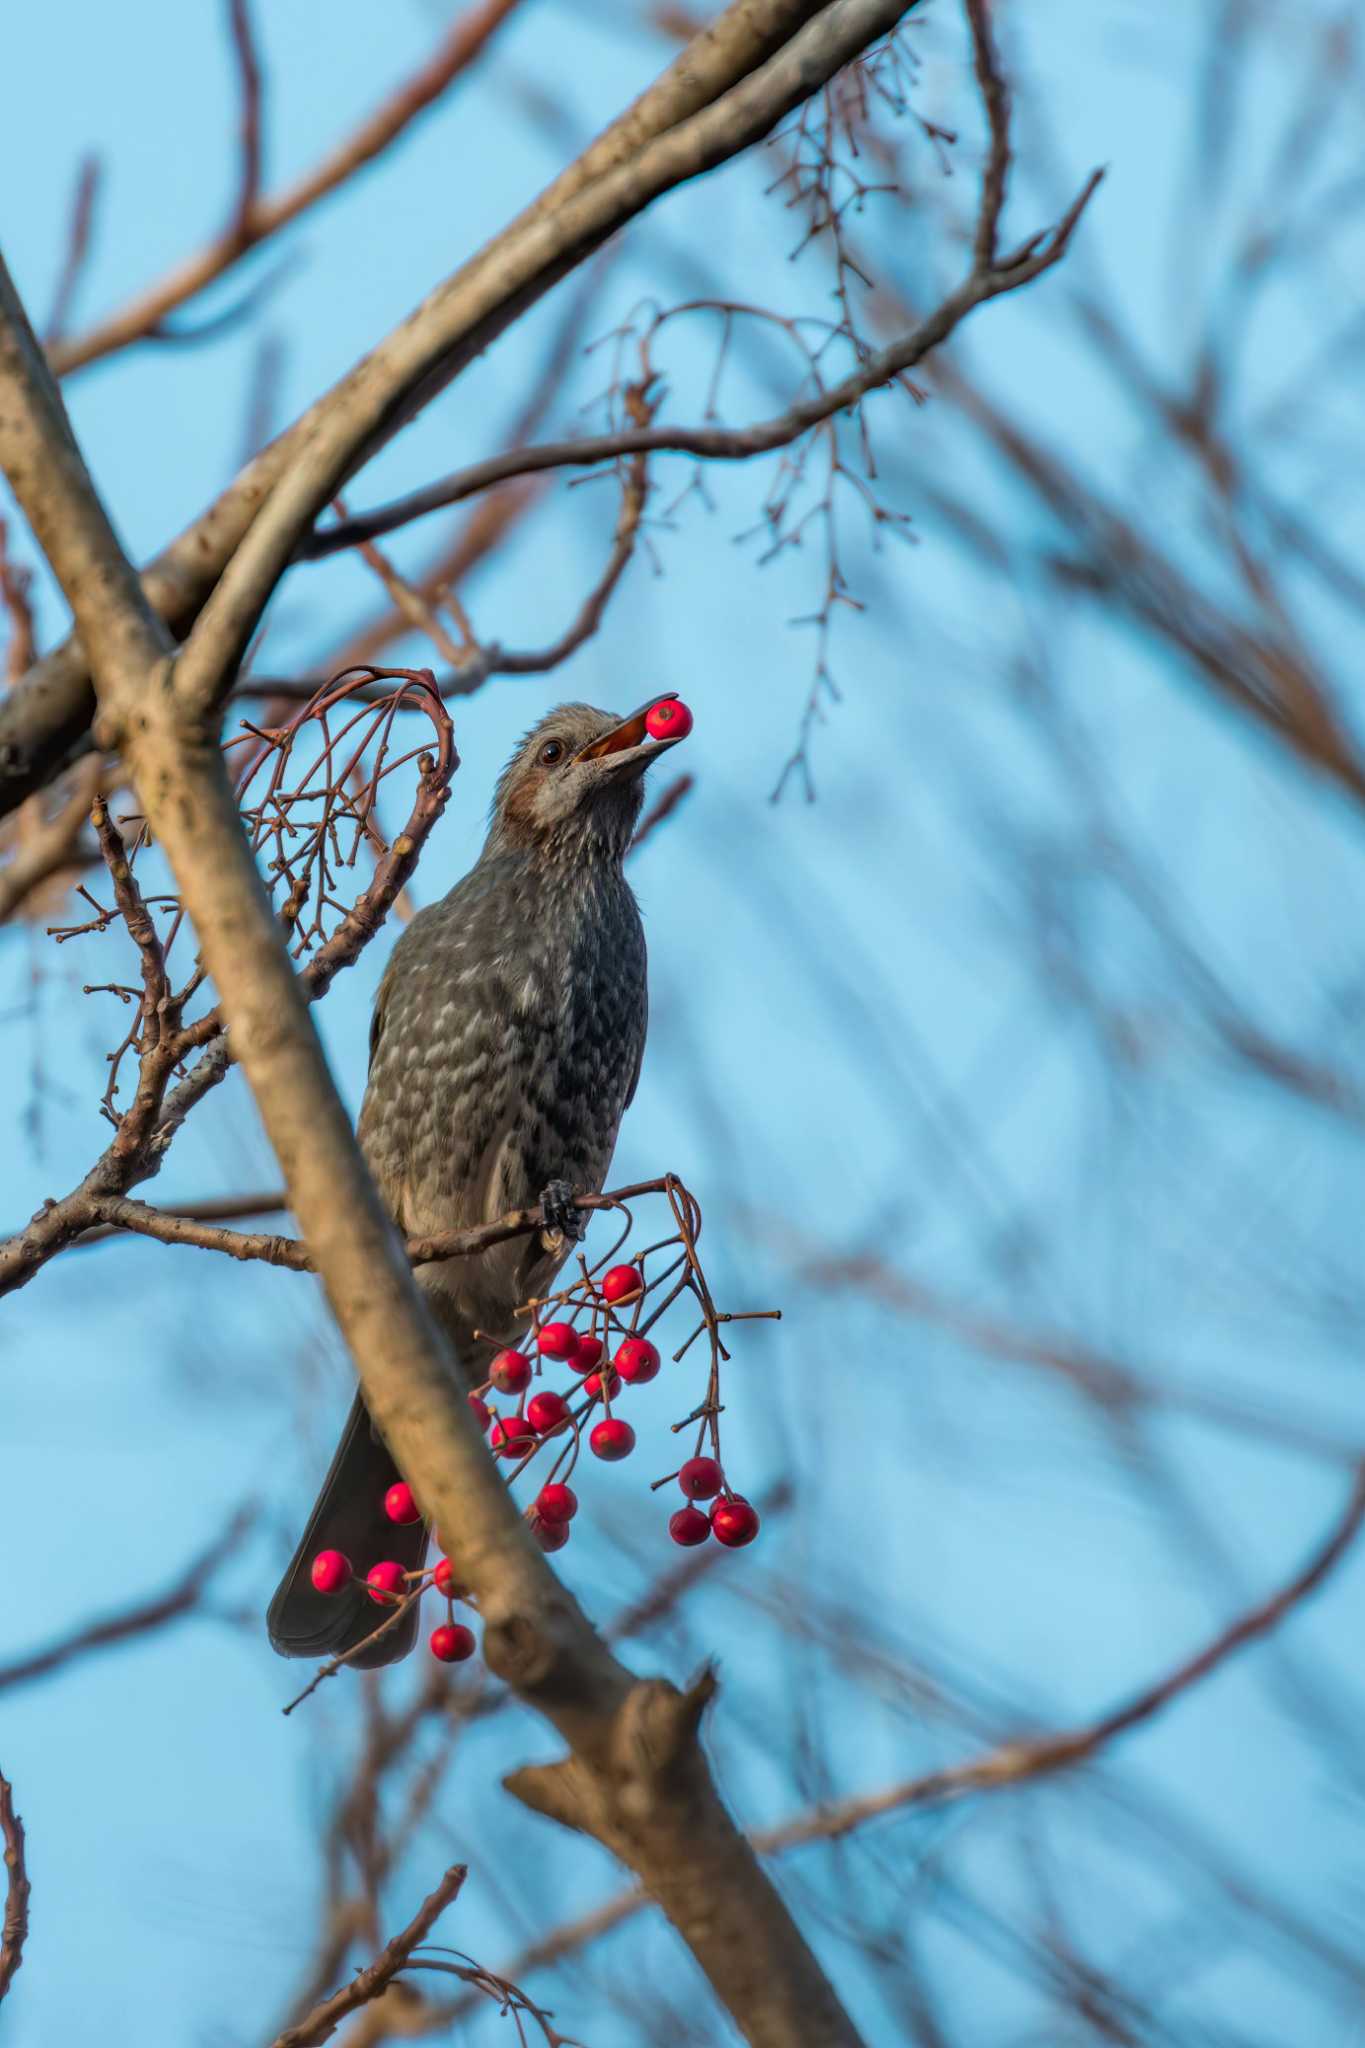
pixel 77 249
pixel 723 444
pixel 15 1930
pixel 462 43
pixel 324 2019
pixel 114 1216
pixel 181 1598
pixel 996 101
pixel 1014 1763
pixel 250 86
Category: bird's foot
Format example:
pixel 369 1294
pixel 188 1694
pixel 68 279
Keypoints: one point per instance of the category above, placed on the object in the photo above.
pixel 563 1219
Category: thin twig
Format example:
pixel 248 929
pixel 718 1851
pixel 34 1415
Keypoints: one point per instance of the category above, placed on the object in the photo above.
pixel 17 1888
pixel 181 1598
pixel 324 2019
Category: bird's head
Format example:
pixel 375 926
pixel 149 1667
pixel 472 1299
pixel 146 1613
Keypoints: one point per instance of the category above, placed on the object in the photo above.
pixel 574 787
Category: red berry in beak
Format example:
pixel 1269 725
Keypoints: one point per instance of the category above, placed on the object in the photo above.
pixel 636 1360
pixel 399 1504
pixel 612 1439
pixel 556 1503
pixel 689 1527
pixel 510 1372
pixel 452 1642
pixel 546 1412
pixel 670 720
pixel 734 1523
pixel 701 1478
pixel 622 1283
pixel 557 1340
pixel 331 1570
pixel 480 1411
pixel 385 1578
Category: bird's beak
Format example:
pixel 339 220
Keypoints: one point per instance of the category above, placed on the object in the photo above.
pixel 628 744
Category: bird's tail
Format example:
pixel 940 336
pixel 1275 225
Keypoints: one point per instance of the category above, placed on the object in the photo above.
pixel 349 1517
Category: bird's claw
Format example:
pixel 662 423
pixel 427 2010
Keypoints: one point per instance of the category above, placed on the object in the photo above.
pixel 563 1218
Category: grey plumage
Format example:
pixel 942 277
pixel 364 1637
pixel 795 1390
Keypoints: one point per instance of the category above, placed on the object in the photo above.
pixel 505 1047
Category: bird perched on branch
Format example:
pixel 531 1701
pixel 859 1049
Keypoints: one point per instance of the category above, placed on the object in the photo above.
pixel 505 1047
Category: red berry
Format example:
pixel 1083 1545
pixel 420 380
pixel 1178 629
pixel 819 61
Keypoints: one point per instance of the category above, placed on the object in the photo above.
pixel 593 1383
pixel 587 1353
pixel 385 1577
pixel 331 1571
pixel 670 720
pixel 510 1372
pixel 734 1523
pixel 445 1581
pixel 556 1503
pixel 513 1436
pixel 622 1283
pixel 480 1411
pixel 636 1360
pixel 399 1504
pixel 689 1526
pixel 557 1340
pixel 452 1642
pixel 546 1412
pixel 549 1535
pixel 612 1439
pixel 700 1478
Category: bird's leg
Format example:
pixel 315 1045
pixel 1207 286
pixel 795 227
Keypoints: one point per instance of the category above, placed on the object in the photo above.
pixel 563 1219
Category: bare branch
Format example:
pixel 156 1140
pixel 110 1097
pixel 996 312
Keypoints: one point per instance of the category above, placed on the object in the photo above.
pixel 1014 1763
pixel 78 244
pixel 148 1615
pixel 250 84
pixel 15 1930
pixel 263 217
pixel 996 101
pixel 721 444
pixel 323 2021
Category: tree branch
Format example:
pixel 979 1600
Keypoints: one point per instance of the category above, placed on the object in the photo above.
pixel 257 218
pixel 181 1598
pixel 323 2021
pixel 15 1930
pixel 720 444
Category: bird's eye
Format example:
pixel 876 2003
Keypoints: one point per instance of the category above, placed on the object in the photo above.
pixel 551 752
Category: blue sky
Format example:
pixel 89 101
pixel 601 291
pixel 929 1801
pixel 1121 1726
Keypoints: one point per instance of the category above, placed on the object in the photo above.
pixel 858 1045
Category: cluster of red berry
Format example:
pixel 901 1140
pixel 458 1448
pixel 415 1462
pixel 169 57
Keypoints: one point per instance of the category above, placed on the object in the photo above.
pixel 562 1421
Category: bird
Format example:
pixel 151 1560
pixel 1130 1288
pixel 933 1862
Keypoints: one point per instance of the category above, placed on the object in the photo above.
pixel 505 1048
